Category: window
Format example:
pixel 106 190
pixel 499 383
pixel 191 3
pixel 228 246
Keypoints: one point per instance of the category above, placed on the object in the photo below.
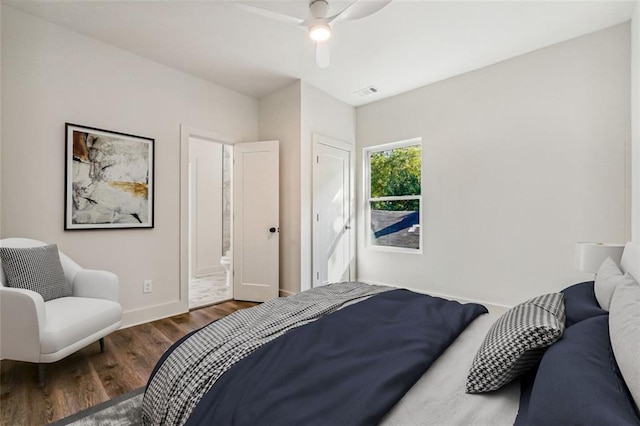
pixel 394 195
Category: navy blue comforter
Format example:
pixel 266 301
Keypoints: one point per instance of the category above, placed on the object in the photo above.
pixel 349 367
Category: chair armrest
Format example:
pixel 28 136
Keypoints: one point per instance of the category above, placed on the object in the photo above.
pixel 96 284
pixel 22 318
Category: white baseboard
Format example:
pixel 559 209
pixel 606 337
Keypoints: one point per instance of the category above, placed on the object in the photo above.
pixel 492 307
pixel 285 293
pixel 152 313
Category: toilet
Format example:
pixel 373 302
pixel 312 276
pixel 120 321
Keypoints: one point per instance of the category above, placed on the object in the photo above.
pixel 226 262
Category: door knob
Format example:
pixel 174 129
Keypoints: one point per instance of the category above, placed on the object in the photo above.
pixel 272 229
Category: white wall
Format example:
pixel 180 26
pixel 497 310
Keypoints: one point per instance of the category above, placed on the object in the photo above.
pixel 0 121
pixel 521 160
pixel 635 122
pixel 292 115
pixel 50 76
pixel 279 119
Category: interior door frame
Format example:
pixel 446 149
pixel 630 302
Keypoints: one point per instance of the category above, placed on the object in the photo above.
pixel 345 146
pixel 187 132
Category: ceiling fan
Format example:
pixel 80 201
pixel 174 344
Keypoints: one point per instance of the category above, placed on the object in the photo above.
pixel 319 23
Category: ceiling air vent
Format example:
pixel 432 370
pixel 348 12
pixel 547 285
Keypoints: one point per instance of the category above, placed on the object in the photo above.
pixel 367 91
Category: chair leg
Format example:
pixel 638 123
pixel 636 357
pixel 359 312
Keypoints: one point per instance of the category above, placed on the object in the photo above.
pixel 102 345
pixel 41 375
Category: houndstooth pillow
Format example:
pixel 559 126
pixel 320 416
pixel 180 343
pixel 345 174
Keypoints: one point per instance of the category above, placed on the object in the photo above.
pixel 35 268
pixel 516 342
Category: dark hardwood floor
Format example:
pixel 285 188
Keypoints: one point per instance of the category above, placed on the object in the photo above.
pixel 89 377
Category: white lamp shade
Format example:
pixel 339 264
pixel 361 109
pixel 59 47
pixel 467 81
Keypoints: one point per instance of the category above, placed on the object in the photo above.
pixel 589 256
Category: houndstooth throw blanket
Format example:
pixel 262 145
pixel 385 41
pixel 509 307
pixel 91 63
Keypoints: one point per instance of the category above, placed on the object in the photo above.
pixel 195 365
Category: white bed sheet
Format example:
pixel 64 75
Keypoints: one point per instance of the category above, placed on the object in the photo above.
pixel 439 397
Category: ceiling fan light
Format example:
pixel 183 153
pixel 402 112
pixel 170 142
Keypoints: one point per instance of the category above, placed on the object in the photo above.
pixel 320 31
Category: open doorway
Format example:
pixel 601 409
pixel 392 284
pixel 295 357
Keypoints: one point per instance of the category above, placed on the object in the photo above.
pixel 210 222
pixel 249 206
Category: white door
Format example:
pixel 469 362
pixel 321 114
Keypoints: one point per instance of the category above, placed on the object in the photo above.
pixel 332 208
pixel 255 226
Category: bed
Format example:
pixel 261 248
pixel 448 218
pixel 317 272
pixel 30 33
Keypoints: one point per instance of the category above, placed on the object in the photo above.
pixel 352 353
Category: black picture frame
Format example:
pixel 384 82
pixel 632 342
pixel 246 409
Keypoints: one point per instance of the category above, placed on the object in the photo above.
pixel 109 179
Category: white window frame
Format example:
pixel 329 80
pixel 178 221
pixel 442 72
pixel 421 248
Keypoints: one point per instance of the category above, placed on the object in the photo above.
pixel 368 199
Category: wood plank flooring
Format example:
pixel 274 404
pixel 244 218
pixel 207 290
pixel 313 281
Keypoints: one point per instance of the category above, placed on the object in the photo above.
pixel 89 377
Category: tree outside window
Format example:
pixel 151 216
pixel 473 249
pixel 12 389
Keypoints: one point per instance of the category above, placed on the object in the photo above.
pixel 394 196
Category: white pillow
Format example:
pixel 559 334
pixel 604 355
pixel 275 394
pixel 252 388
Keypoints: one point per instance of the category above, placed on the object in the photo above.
pixel 607 279
pixel 624 331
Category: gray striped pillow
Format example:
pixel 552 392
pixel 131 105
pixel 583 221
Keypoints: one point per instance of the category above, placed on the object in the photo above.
pixel 516 342
pixel 35 268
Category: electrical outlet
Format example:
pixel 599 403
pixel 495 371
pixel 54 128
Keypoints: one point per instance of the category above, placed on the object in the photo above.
pixel 147 286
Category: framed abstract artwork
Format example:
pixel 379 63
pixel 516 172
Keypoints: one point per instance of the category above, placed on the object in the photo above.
pixel 108 179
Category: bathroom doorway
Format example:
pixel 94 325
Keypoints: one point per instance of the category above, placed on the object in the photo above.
pixel 210 222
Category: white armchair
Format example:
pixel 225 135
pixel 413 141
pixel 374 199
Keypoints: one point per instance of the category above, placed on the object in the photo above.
pixel 33 330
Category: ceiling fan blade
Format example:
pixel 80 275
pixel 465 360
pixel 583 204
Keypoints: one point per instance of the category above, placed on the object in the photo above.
pixel 322 54
pixel 359 9
pixel 271 14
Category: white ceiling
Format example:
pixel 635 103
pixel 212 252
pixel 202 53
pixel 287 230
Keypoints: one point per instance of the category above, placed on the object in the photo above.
pixel 404 46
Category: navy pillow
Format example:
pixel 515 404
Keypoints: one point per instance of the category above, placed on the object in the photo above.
pixel 580 303
pixel 578 381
